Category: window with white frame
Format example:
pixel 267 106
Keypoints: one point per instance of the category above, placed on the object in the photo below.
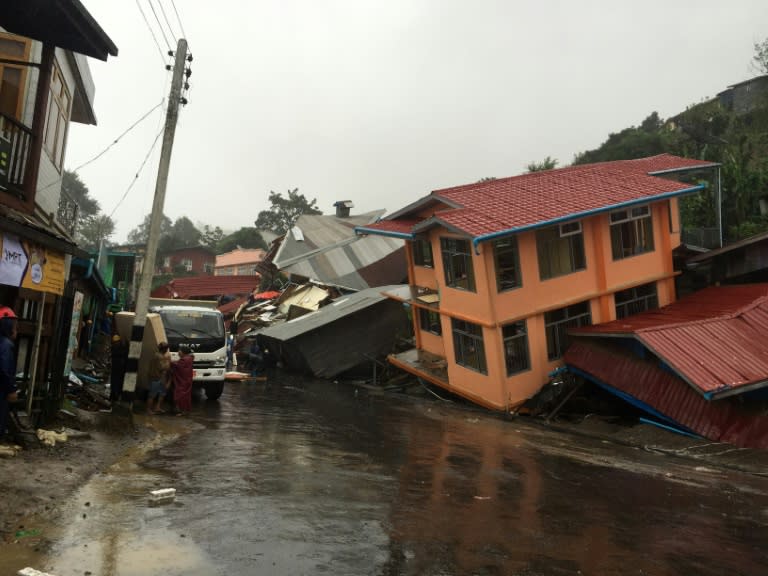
pixel 631 231
pixel 468 345
pixel 557 322
pixel 57 121
pixel 560 250
pixel 187 264
pixel 457 263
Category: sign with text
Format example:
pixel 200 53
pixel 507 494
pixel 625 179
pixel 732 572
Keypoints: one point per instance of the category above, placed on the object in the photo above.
pixel 29 265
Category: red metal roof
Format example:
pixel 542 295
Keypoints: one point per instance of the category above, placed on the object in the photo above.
pixel 714 339
pixel 654 388
pixel 207 286
pixel 540 197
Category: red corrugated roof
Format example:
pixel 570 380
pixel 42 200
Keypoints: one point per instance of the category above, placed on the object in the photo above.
pixel 654 388
pixel 714 339
pixel 207 286
pixel 540 197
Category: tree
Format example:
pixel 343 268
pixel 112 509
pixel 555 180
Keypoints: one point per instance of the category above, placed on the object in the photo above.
pixel 760 58
pixel 95 230
pixel 92 227
pixel 140 234
pixel 285 211
pixel 546 164
pixel 246 237
pixel 78 191
pixel 211 236
pixel 184 234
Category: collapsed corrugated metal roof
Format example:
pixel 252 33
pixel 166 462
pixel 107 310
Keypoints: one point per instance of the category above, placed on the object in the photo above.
pixel 653 388
pixel 714 339
pixel 326 250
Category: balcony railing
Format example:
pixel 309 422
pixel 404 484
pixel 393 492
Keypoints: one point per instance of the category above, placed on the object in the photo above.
pixel 16 142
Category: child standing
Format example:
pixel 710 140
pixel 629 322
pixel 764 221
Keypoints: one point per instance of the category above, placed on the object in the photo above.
pixel 158 378
pixel 182 381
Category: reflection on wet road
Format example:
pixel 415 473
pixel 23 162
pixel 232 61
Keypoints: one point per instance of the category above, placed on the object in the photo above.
pixel 303 477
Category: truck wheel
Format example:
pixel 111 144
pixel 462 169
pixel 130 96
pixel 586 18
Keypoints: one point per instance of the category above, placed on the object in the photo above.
pixel 213 390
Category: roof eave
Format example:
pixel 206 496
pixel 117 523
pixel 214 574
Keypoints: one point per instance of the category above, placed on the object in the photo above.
pixel 362 230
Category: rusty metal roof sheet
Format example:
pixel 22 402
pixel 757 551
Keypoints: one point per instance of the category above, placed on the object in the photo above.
pixel 651 387
pixel 714 339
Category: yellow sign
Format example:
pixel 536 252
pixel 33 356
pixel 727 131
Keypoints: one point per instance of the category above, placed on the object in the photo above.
pixel 29 265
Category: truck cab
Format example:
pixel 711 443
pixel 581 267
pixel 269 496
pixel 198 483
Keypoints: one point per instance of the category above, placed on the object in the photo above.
pixel 199 325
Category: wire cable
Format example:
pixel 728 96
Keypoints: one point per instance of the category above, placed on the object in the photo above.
pixel 162 30
pixel 178 18
pixel 111 144
pixel 165 17
pixel 136 177
pixel 160 50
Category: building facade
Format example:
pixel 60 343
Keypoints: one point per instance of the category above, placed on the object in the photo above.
pixel 500 270
pixel 239 262
pixel 45 84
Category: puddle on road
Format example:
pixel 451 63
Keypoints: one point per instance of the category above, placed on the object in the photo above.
pixel 115 528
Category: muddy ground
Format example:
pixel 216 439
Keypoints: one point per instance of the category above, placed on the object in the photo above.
pixel 39 478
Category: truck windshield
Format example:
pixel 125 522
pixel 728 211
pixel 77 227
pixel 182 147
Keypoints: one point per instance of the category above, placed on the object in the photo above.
pixel 193 324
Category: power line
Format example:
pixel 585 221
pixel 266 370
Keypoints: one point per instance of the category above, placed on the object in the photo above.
pixel 160 50
pixel 178 18
pixel 165 17
pixel 162 30
pixel 136 177
pixel 111 144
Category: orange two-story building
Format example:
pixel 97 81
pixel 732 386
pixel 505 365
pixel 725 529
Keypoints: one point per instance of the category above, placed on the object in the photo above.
pixel 500 269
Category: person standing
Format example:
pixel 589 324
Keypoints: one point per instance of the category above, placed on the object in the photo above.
pixel 117 370
pixel 158 378
pixel 182 381
pixel 8 389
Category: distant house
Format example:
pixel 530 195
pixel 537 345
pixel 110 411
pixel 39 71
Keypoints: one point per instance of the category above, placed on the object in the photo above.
pixel 745 96
pixel 191 260
pixel 500 270
pixel 219 288
pixel 326 250
pixel 239 262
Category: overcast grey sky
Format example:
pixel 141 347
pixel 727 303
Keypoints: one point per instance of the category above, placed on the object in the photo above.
pixel 380 102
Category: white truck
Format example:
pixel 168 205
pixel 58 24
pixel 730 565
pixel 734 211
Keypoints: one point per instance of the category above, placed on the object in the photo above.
pixel 199 325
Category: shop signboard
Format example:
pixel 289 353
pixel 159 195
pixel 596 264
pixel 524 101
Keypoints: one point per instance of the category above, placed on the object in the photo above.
pixel 28 265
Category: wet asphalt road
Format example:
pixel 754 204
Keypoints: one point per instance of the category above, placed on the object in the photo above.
pixel 299 477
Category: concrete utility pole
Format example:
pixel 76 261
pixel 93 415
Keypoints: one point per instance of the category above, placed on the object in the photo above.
pixel 142 297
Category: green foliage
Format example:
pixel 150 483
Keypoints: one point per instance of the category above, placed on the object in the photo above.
pixel 246 237
pixel 211 236
pixel 760 59
pixel 93 227
pixel 93 230
pixel 546 164
pixel 140 234
pixel 284 211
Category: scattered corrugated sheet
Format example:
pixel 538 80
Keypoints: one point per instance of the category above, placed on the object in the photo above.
pixel 351 331
pixel 649 386
pixel 328 251
pixel 713 339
